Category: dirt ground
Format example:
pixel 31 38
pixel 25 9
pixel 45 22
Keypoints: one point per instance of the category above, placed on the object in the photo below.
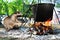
pixel 19 35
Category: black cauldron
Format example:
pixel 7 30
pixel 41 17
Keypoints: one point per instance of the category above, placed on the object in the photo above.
pixel 43 11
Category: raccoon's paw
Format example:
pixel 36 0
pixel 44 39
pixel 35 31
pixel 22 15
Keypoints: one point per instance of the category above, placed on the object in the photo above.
pixel 8 29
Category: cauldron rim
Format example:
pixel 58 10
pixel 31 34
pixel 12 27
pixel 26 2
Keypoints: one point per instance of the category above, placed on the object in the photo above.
pixel 43 4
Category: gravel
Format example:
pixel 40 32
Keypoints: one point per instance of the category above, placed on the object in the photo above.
pixel 20 35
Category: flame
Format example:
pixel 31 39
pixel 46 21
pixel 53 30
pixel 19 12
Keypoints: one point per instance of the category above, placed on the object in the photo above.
pixel 47 23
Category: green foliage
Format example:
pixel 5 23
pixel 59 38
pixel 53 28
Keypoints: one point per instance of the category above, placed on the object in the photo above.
pixel 9 8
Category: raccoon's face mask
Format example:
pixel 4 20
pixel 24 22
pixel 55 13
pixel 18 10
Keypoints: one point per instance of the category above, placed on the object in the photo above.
pixel 19 15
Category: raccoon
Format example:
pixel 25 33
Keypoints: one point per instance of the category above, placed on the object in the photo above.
pixel 10 22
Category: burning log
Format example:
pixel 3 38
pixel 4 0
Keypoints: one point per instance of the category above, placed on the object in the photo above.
pixel 42 29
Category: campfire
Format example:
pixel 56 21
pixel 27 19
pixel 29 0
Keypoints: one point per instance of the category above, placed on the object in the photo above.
pixel 43 27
